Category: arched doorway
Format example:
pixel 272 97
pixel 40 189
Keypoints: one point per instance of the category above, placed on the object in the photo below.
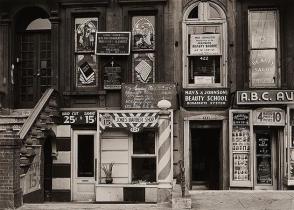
pixel 33 74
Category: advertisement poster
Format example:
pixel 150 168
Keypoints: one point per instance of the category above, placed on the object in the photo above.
pixel 85 32
pixel 143 32
pixel 241 167
pixel 143 66
pixel 112 76
pixel 86 71
pixel 205 44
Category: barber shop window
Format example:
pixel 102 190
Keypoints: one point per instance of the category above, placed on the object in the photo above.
pixel 144 157
pixel 85 60
pixel 263 37
pixel 204 53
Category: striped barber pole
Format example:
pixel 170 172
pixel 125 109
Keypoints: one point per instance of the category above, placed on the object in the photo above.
pixel 133 121
pixel 164 151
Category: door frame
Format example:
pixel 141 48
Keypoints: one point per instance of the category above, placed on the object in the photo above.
pixel 74 158
pixel 276 158
pixel 224 160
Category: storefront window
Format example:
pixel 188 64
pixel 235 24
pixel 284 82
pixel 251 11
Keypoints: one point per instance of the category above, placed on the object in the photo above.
pixel 204 46
pixel 143 49
pixel 86 67
pixel 144 157
pixel 263 47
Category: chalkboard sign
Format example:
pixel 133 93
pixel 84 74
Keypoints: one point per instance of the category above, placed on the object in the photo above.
pixel 112 43
pixel 146 96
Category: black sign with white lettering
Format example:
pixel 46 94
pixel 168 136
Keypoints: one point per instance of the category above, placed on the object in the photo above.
pixel 79 117
pixel 209 97
pixel 113 43
pixel 265 97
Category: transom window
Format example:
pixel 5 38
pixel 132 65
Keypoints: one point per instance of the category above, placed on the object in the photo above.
pixel 204 47
pixel 263 48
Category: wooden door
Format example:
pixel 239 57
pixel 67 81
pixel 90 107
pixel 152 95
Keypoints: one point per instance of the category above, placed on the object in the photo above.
pixel 33 69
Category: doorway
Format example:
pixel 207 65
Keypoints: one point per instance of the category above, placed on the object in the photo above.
pixel 266 158
pixel 205 145
pixel 48 169
pixel 84 166
pixel 34 74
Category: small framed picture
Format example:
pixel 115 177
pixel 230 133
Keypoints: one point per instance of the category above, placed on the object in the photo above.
pixel 143 68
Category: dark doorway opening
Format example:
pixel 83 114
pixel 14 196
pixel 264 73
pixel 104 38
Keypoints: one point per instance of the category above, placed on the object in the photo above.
pixel 205 158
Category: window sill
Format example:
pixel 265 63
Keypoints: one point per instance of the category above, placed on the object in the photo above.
pixel 153 185
pixel 83 93
pixel 202 86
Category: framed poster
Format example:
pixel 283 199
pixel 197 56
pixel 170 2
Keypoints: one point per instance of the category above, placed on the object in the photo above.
pixel 241 144
pixel 85 32
pixel 143 33
pixel 143 67
pixel 86 70
pixel 112 76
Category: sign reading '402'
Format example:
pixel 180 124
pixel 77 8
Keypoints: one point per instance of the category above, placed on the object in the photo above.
pixel 269 117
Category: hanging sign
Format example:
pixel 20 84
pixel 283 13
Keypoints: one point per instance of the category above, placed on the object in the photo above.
pixel 133 121
pixel 269 117
pixel 265 97
pixel 112 76
pixel 78 117
pixel 205 44
pixel 113 43
pixel 209 97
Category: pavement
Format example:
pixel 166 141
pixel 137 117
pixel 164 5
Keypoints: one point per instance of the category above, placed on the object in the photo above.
pixel 201 200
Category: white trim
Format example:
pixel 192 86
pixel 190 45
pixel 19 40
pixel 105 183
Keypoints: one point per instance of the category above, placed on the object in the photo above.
pixel 63 157
pixel 61 183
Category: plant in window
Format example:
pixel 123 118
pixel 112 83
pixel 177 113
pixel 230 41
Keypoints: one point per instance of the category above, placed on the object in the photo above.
pixel 107 169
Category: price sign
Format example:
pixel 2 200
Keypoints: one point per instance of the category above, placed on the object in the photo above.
pixel 79 117
pixel 269 117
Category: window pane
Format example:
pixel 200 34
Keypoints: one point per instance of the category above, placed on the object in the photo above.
pixel 263 68
pixel 143 32
pixel 263 29
pixel 85 31
pixel 143 67
pixel 204 69
pixel 143 169
pixel 144 142
pixel 85 155
pixel 86 70
pixel 194 13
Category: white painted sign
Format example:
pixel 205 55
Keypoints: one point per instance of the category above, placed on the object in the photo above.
pixel 269 117
pixel 32 177
pixel 205 44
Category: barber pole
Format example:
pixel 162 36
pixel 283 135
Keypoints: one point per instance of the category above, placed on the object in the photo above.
pixel 164 151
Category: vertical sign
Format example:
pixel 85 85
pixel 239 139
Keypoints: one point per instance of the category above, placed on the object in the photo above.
pixel 240 148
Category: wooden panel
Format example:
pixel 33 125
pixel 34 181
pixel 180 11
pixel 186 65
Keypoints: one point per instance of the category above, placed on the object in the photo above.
pixel 115 133
pixel 118 170
pixel 61 183
pixel 115 144
pixel 109 194
pixel 114 156
pixel 63 131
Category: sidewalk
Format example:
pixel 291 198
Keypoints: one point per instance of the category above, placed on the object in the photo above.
pixel 201 200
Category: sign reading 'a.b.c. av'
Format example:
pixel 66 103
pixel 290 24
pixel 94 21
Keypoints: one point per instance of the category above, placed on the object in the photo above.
pixel 265 97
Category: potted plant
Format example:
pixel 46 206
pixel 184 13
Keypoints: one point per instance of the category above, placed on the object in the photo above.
pixel 107 168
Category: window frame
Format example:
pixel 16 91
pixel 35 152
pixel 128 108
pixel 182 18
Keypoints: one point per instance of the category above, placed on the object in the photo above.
pixel 204 20
pixel 277 49
pixel 132 155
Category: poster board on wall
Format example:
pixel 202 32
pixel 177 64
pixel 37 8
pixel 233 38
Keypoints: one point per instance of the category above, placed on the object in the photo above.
pixel 240 147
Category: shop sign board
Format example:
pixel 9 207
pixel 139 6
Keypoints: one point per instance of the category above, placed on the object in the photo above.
pixel 79 117
pixel 209 97
pixel 265 97
pixel 133 121
pixel 113 43
pixel 112 76
pixel 32 180
pixel 205 44
pixel 269 117
pixel 146 96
